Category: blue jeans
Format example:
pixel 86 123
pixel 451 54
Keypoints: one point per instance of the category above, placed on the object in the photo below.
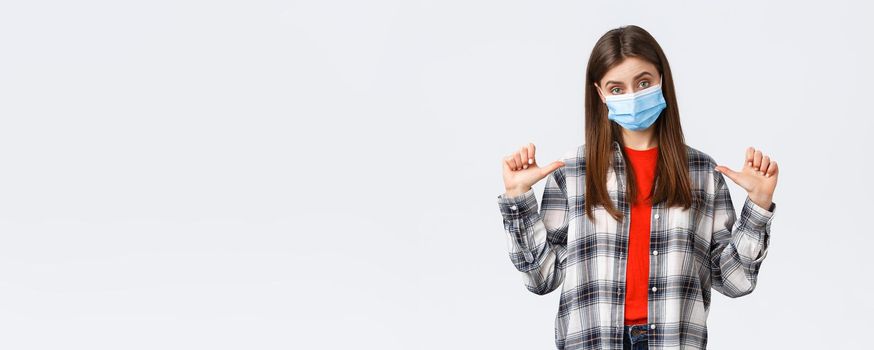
pixel 635 337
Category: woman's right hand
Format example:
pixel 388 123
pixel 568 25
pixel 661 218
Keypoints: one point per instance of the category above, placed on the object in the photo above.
pixel 521 170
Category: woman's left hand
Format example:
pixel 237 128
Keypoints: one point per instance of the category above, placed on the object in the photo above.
pixel 758 177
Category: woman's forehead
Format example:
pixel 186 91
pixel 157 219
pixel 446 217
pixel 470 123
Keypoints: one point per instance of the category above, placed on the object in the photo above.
pixel 629 69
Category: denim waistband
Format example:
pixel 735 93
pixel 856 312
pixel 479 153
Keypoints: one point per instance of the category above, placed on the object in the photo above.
pixel 641 327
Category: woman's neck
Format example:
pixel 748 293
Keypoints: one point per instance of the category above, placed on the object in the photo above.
pixel 640 140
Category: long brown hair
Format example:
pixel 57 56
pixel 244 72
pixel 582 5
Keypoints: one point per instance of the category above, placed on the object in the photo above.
pixel 672 182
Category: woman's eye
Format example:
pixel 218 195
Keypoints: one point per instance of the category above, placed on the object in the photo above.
pixel 644 84
pixel 615 90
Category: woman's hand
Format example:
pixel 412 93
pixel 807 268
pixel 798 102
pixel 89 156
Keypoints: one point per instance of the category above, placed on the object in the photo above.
pixel 758 177
pixel 521 170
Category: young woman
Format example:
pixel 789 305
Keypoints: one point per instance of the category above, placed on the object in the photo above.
pixel 635 225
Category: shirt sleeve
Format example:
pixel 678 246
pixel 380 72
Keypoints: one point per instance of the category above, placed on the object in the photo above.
pixel 537 237
pixel 738 247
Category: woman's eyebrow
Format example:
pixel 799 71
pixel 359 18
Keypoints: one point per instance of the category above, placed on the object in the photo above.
pixel 635 78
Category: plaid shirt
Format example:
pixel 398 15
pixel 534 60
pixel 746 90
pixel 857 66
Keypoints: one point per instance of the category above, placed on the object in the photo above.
pixel 691 251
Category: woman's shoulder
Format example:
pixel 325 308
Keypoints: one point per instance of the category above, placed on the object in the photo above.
pixel 702 170
pixel 575 155
pixel 574 161
pixel 699 160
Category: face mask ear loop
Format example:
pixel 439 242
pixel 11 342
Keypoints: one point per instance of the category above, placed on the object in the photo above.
pixel 601 94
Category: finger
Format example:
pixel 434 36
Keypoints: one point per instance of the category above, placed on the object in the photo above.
pixel 772 169
pixel 527 156
pixel 731 174
pixel 748 160
pixel 531 154
pixel 513 162
pixel 523 156
pixel 552 167
pixel 508 163
pixel 757 160
pixel 765 162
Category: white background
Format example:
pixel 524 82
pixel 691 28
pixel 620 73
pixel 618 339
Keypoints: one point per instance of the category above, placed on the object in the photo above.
pixel 323 174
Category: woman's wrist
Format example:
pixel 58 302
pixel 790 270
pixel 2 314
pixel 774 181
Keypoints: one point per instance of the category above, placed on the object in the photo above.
pixel 763 200
pixel 514 192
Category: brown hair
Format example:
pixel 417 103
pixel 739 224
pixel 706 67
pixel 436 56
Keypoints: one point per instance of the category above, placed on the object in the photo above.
pixel 672 182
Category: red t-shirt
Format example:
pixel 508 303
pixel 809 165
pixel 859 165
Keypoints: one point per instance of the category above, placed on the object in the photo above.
pixel 643 163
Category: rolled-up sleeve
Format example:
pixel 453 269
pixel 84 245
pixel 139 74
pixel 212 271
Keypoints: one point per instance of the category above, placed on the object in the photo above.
pixel 738 245
pixel 537 235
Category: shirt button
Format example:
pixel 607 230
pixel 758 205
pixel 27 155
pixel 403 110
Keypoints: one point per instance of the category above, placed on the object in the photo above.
pixel 655 252
pixel 514 207
pixel 652 326
pixel 656 216
pixel 654 289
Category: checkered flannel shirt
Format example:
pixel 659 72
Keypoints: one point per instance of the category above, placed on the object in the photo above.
pixel 690 251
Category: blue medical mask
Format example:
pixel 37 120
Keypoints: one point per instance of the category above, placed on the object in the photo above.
pixel 638 110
